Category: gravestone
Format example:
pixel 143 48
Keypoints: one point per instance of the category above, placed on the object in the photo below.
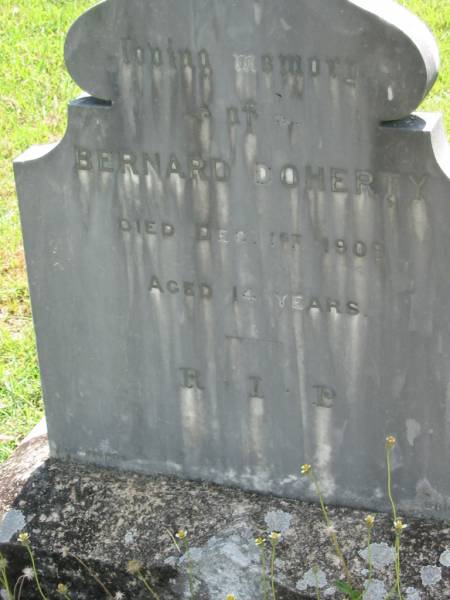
pixel 239 254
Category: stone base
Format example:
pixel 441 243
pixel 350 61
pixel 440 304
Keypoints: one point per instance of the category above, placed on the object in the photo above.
pixel 107 518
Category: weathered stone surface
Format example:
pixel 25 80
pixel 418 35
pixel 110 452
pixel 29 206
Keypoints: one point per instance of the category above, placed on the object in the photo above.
pixel 107 518
pixel 234 267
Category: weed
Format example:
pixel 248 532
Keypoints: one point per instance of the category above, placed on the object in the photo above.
pixel 90 572
pixel 316 576
pixel 399 525
pixel 309 471
pixel 182 536
pixel 24 539
pixel 274 539
pixel 4 577
pixel 63 591
pixel 261 543
pixel 370 522
pixel 135 568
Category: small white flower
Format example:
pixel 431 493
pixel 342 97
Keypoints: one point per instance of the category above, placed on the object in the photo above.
pixel 24 539
pixel 62 589
pixel 119 596
pixel 28 573
pixel 275 537
pixel 134 567
pixel 330 529
pixel 65 552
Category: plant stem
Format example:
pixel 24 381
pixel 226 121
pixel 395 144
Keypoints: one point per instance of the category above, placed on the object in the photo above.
pixel 36 575
pixel 397 585
pixel 263 572
pixel 316 576
pixel 398 573
pixel 389 483
pixel 369 554
pixel 390 593
pixel 333 536
pixel 148 586
pixel 272 570
pixel 189 568
pixel 93 575
pixel 18 583
pixel 4 578
pixel 174 541
pixel 21 588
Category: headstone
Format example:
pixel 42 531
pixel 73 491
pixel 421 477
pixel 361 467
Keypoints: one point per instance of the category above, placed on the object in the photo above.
pixel 239 254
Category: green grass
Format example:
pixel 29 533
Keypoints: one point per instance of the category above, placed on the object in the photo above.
pixel 436 13
pixel 20 391
pixel 34 91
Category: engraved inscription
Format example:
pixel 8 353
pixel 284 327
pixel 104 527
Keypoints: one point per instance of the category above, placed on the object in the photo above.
pixel 186 288
pixel 311 178
pixel 325 396
pixel 190 379
pixel 170 57
pixel 302 303
pixel 145 164
pixel 255 387
pixel 144 53
pixel 147 227
pixel 245 63
pixel 419 184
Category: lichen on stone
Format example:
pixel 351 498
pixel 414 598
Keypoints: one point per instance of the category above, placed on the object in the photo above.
pixel 375 590
pixel 431 575
pixel 445 558
pixel 313 578
pixel 228 561
pixel 278 520
pixel 382 555
pixel 413 594
pixel 13 523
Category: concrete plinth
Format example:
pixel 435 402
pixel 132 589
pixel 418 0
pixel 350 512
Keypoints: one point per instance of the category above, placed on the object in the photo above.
pixel 107 518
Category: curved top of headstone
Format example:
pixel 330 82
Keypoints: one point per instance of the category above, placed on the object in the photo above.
pixel 396 53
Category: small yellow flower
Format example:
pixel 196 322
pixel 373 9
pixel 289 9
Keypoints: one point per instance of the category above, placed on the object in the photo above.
pixel 390 441
pixel 399 526
pixel 370 520
pixel 24 538
pixel 62 588
pixel 231 597
pixel 134 567
pixel 306 469
pixel 260 541
pixel 181 534
pixel 275 537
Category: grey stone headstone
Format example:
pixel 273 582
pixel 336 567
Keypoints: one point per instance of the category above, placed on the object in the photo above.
pixel 236 263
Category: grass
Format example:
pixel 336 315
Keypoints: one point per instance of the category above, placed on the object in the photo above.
pixel 436 13
pixel 34 91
